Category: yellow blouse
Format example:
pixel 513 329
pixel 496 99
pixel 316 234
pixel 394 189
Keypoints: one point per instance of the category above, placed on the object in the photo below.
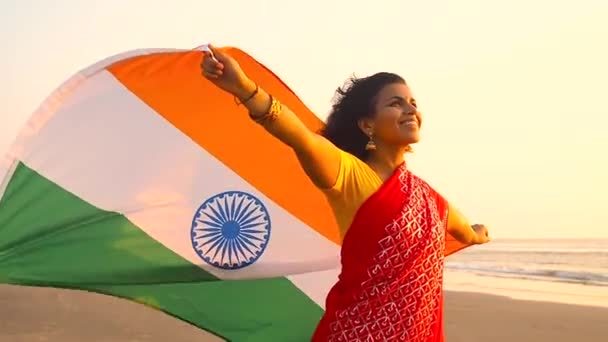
pixel 355 183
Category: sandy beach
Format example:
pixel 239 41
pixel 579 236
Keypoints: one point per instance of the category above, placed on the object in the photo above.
pixel 44 314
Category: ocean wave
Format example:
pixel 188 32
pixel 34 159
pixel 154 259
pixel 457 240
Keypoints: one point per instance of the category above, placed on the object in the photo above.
pixel 516 249
pixel 579 277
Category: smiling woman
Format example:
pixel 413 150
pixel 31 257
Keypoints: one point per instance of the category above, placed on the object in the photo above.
pixel 395 229
pixel 350 125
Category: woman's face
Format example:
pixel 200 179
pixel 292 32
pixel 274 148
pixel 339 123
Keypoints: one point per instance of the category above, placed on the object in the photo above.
pixel 397 120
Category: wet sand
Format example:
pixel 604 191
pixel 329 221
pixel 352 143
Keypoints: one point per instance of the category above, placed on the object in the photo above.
pixel 30 314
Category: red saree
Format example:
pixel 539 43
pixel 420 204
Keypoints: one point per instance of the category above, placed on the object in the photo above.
pixel 390 287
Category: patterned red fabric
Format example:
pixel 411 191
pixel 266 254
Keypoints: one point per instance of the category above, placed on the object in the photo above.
pixel 390 287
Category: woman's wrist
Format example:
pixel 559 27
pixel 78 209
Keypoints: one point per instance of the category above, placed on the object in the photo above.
pixel 245 90
pixel 254 98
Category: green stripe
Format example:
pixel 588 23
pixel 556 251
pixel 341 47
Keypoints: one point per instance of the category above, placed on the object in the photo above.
pixel 50 237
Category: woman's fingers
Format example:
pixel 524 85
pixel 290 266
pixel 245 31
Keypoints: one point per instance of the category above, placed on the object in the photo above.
pixel 215 54
pixel 212 71
pixel 212 74
pixel 210 67
pixel 210 61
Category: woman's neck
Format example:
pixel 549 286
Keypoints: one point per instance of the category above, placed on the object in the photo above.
pixel 386 160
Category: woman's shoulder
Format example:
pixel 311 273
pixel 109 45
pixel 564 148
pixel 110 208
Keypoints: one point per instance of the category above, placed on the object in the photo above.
pixel 354 164
pixel 354 173
pixel 356 181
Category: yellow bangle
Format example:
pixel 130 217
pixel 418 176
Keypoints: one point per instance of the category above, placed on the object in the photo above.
pixel 276 108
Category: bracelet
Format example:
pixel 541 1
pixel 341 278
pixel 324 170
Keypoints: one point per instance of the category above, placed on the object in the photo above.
pixel 276 108
pixel 255 92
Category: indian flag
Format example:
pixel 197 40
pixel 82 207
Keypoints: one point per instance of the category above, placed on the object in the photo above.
pixel 138 178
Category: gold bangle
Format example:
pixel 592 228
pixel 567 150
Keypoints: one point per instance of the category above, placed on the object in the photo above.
pixel 276 108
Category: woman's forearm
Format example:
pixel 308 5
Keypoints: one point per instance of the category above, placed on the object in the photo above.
pixel 319 158
pixel 257 104
pixel 287 127
pixel 459 227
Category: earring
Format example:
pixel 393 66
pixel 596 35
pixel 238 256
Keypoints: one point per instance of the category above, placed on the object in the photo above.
pixel 371 144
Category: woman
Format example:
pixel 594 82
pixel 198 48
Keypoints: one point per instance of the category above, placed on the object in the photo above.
pixel 394 225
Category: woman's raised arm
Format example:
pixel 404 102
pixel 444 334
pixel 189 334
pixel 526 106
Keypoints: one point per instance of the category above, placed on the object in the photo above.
pixel 319 158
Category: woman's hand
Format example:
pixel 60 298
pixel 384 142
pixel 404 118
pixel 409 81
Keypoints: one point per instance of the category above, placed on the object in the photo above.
pixel 460 228
pixel 225 72
pixel 481 234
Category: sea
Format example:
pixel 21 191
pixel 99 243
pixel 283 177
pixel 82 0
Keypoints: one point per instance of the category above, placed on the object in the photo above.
pixel 564 270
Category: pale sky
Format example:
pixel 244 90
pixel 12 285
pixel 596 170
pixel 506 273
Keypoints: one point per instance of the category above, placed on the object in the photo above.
pixel 513 93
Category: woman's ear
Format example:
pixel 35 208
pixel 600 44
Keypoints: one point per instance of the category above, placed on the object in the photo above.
pixel 366 125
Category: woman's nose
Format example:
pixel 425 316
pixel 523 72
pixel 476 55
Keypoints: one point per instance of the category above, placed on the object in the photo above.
pixel 410 109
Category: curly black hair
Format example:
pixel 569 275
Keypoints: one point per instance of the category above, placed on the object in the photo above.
pixel 355 100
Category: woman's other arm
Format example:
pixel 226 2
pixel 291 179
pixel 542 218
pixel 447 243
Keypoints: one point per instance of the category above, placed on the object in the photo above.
pixel 460 228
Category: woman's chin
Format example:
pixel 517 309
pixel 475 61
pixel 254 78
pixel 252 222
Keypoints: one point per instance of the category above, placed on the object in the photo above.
pixel 410 139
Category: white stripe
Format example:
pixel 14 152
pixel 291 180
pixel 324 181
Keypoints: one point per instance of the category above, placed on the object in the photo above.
pixel 109 148
pixel 48 107
pixel 7 168
pixel 316 285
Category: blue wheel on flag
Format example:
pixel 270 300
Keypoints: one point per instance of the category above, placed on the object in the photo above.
pixel 231 230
